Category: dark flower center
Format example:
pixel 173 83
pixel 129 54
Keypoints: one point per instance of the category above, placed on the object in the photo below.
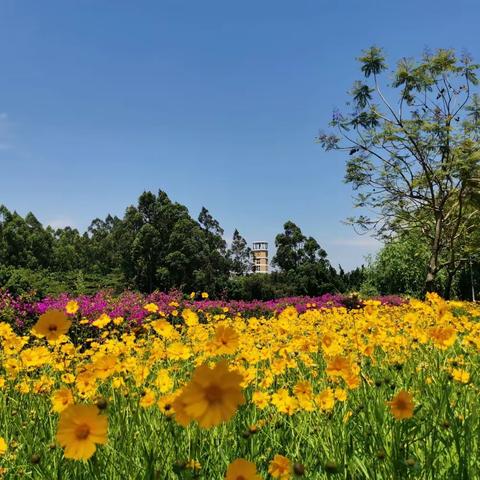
pixel 213 393
pixel 82 431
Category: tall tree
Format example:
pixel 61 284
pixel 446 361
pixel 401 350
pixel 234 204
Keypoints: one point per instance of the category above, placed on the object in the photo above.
pixel 303 262
pixel 240 255
pixel 411 160
pixel 216 265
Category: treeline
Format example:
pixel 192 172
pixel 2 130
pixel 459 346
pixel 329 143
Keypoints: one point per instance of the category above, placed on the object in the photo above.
pixel 401 267
pixel 157 245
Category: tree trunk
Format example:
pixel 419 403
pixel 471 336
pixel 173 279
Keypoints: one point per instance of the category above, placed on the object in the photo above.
pixel 433 262
pixel 448 285
pixel 431 277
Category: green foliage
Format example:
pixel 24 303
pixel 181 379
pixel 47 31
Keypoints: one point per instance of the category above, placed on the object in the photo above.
pixel 40 283
pixel 399 267
pixel 303 263
pixel 414 161
pixel 157 245
pixel 240 255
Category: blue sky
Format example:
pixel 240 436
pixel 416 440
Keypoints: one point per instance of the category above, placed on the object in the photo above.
pixel 215 102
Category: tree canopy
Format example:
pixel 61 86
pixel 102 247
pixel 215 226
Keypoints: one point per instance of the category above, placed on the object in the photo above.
pixel 413 153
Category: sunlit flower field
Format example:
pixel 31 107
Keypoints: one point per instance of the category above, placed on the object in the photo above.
pixel 378 390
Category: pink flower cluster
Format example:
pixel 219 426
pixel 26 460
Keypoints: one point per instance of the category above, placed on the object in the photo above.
pixel 130 305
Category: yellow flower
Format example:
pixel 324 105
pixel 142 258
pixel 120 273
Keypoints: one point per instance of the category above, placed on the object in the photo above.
pixel 242 469
pixel 68 378
pixel 443 337
pixel 3 446
pixel 402 405
pixel 261 399
pixel 212 396
pixel 303 389
pixel 280 467
pixel 80 429
pixel 338 367
pixel 165 404
pixel 151 307
pixel 102 321
pixel 347 416
pixel 118 320
pixel 194 465
pixel 163 328
pixel 326 399
pixel 204 295
pixel 72 307
pixel 461 376
pixel 51 325
pixel 226 340
pixel 61 399
pixel 190 317
pixel 163 381
pixel 340 394
pixel 148 398
pixel 284 403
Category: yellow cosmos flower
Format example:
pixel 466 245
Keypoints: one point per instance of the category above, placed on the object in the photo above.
pixel 194 465
pixel 303 389
pixel 102 321
pixel 148 398
pixel 3 446
pixel 80 429
pixel 338 367
pixel 68 378
pixel 460 375
pixel 212 396
pixel 163 381
pixel 284 403
pixel 151 307
pixel 163 328
pixel 226 340
pixel 402 405
pixel 261 399
pixel 204 295
pixel 325 400
pixel 165 404
pixel 51 325
pixel 190 317
pixel 61 399
pixel 241 469
pixel 280 467
pixel 72 307
pixel 443 337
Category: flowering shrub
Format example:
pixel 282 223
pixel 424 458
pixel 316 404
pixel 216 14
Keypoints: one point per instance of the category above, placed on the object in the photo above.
pixel 21 312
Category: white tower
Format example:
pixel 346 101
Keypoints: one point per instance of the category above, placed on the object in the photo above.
pixel 260 257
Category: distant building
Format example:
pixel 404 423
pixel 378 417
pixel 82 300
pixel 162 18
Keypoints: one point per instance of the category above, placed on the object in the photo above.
pixel 260 257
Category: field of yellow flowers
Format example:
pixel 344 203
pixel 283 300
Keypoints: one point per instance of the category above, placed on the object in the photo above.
pixel 377 392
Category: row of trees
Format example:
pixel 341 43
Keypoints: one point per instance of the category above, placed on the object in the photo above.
pixel 157 245
pixel 414 159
